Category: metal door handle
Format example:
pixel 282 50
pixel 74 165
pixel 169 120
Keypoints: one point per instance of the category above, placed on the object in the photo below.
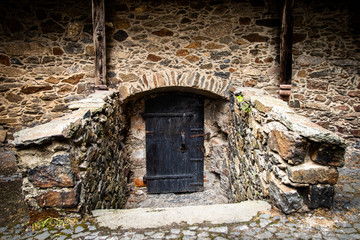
pixel 182 148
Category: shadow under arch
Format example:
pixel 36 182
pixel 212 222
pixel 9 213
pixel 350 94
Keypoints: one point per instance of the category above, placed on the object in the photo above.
pixel 175 89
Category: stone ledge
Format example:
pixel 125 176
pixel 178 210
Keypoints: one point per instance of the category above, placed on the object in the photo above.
pixel 63 127
pixel 267 104
pixel 308 129
pixel 280 111
pixel 56 129
pixel 93 102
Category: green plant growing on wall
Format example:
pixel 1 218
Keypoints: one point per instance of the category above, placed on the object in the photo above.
pixel 244 106
pixel 240 98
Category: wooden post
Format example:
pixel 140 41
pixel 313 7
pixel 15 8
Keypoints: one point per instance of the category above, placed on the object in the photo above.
pixel 286 49
pixel 98 20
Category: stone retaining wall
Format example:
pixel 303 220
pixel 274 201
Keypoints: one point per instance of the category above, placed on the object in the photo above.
pixel 279 154
pixel 76 163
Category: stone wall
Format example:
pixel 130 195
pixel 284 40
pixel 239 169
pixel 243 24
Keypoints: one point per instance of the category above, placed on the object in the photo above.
pixel 326 81
pixel 46 54
pixel 46 60
pixel 76 163
pixel 281 155
pixel 199 44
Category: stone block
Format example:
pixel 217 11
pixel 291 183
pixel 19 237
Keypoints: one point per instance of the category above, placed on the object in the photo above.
pixel 319 196
pixel 163 33
pixel 8 164
pixel 312 174
pixel 63 199
pixel 318 85
pixel 153 58
pixel 255 37
pixel 35 89
pixel 5 60
pixel 3 134
pixel 284 197
pixel 317 106
pixel 57 174
pixel 327 154
pixel 87 103
pixel 120 36
pixel 266 104
pixel 218 30
pixel 51 27
pixel 74 48
pixel 290 146
pixel 182 52
pixel 75 79
pixel 304 60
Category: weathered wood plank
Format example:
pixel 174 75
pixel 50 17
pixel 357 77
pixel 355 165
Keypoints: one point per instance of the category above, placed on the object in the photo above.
pixel 286 46
pixel 98 19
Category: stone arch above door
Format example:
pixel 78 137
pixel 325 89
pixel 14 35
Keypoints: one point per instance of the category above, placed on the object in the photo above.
pixel 134 84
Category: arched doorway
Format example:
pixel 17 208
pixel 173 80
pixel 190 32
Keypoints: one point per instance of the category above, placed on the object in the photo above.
pixel 205 179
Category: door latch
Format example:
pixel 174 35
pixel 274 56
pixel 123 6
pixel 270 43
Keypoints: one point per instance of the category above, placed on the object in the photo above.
pixel 183 147
pixel 207 135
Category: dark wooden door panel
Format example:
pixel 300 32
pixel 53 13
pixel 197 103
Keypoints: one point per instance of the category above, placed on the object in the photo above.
pixel 174 160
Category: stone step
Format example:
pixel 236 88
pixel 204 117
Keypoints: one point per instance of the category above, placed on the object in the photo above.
pixel 142 218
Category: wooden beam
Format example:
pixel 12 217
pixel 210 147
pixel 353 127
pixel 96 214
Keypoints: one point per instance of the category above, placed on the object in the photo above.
pixel 98 20
pixel 286 36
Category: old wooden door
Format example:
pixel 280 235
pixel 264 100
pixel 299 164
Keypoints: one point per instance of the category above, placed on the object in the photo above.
pixel 174 143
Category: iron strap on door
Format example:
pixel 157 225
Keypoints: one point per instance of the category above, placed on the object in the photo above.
pixel 158 177
pixel 168 115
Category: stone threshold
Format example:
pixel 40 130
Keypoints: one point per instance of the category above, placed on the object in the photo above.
pixel 143 218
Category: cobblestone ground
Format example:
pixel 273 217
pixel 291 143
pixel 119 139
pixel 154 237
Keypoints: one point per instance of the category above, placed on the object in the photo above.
pixel 340 222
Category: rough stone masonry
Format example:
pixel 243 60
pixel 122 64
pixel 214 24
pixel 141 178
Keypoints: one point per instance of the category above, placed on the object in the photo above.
pixel 279 154
pixel 47 62
pixel 77 163
pixel 47 54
